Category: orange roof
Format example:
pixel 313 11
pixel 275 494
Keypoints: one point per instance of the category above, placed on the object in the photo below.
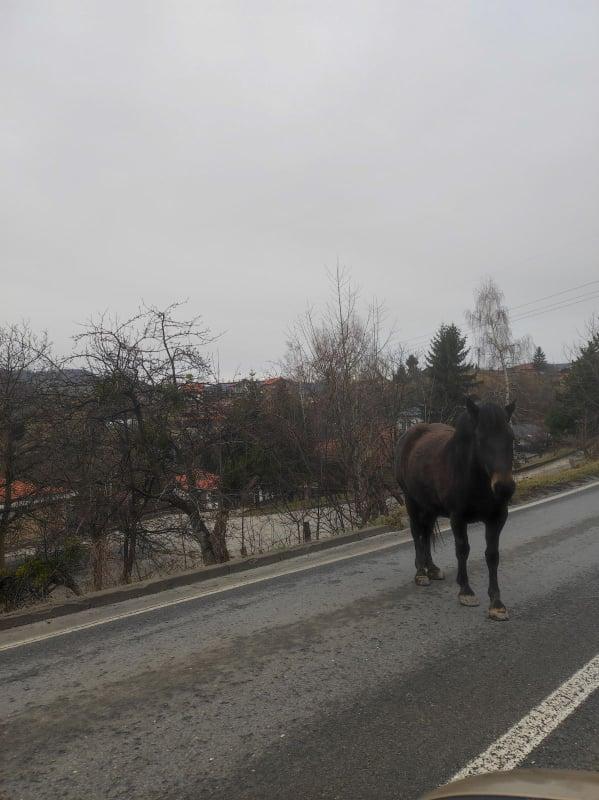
pixel 207 481
pixel 530 367
pixel 19 490
pixel 193 387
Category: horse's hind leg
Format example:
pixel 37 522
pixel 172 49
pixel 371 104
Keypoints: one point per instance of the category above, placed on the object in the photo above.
pixel 416 527
pixel 432 570
pixel 462 550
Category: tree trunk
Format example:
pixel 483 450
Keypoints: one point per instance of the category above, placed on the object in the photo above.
pixel 213 545
pixel 129 553
pixel 219 535
pixel 2 548
pixel 5 519
pixel 98 562
pixel 243 550
pixel 506 378
pixel 202 535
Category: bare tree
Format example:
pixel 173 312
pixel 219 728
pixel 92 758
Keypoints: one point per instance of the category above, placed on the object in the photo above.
pixel 495 345
pixel 343 359
pixel 139 369
pixel 86 464
pixel 24 400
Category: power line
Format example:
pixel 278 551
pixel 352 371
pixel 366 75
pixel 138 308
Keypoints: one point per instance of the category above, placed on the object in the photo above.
pixel 555 294
pixel 533 312
pixel 556 306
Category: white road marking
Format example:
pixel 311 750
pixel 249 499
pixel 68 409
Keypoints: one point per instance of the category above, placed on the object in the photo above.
pixel 553 497
pixel 512 748
pixel 404 538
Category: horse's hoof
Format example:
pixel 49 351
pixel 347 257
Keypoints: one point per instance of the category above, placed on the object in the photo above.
pixel 468 599
pixel 435 574
pixel 422 580
pixel 499 614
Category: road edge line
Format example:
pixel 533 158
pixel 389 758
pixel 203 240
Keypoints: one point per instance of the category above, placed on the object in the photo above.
pixel 208 593
pixel 121 594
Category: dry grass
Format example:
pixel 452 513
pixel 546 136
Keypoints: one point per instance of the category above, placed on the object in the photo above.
pixel 395 519
pixel 545 483
pixel 547 458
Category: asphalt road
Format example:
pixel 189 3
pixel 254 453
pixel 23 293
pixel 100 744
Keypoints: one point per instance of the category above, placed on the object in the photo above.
pixel 341 681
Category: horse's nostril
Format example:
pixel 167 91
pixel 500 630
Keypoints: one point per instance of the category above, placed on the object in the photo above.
pixel 502 484
pixel 504 488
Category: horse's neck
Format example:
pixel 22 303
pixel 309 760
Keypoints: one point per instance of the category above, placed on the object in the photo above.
pixel 464 462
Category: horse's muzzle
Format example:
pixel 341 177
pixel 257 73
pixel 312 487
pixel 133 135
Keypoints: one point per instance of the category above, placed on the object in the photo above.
pixel 503 486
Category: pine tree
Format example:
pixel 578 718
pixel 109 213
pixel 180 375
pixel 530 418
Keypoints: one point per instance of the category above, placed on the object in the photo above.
pixel 577 407
pixel 412 365
pixel 449 372
pixel 539 360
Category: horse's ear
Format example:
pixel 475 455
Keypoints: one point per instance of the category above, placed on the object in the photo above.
pixel 472 409
pixel 509 409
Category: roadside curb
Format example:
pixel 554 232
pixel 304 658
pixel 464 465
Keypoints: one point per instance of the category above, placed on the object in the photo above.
pixel 151 586
pixel 131 591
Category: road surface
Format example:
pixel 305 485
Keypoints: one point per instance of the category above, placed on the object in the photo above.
pixel 331 676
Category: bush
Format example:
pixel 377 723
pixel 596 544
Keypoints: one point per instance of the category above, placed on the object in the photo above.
pixel 560 421
pixel 35 578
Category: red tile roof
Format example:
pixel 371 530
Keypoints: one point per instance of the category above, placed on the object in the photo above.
pixel 193 387
pixel 22 490
pixel 19 490
pixel 206 481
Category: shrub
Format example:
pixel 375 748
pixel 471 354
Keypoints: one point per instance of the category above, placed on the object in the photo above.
pixel 36 577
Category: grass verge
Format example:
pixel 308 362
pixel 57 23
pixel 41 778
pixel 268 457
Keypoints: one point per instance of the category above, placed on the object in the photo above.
pixel 546 458
pixel 543 484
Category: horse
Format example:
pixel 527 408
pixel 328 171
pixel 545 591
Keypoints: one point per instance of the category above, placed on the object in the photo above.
pixel 464 473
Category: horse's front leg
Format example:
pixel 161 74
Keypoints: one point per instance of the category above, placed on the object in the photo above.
pixel 493 528
pixel 462 550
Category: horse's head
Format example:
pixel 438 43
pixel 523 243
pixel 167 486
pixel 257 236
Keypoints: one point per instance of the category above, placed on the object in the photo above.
pixel 494 444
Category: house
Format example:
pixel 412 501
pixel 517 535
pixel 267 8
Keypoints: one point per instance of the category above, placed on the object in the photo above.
pixel 406 419
pixel 271 383
pixel 19 491
pixel 207 482
pixel 530 438
pixel 23 494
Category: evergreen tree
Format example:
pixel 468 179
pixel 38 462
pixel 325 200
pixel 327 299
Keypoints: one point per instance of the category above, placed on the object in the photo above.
pixel 408 382
pixel 539 360
pixel 401 373
pixel 577 405
pixel 412 365
pixel 449 373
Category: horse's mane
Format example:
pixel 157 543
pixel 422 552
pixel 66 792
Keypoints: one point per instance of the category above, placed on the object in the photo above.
pixel 463 427
pixel 490 416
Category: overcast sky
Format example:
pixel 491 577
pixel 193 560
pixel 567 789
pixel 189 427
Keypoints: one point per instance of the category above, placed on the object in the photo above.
pixel 233 152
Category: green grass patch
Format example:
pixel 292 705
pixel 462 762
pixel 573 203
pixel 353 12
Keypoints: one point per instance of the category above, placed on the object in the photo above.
pixel 395 519
pixel 545 483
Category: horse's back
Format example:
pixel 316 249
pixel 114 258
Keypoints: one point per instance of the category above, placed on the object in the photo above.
pixel 420 466
pixel 422 438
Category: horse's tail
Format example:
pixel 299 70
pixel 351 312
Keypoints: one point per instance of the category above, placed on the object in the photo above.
pixel 437 535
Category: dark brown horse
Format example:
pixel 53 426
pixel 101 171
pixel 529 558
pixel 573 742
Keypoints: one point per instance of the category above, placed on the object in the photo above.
pixel 464 473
